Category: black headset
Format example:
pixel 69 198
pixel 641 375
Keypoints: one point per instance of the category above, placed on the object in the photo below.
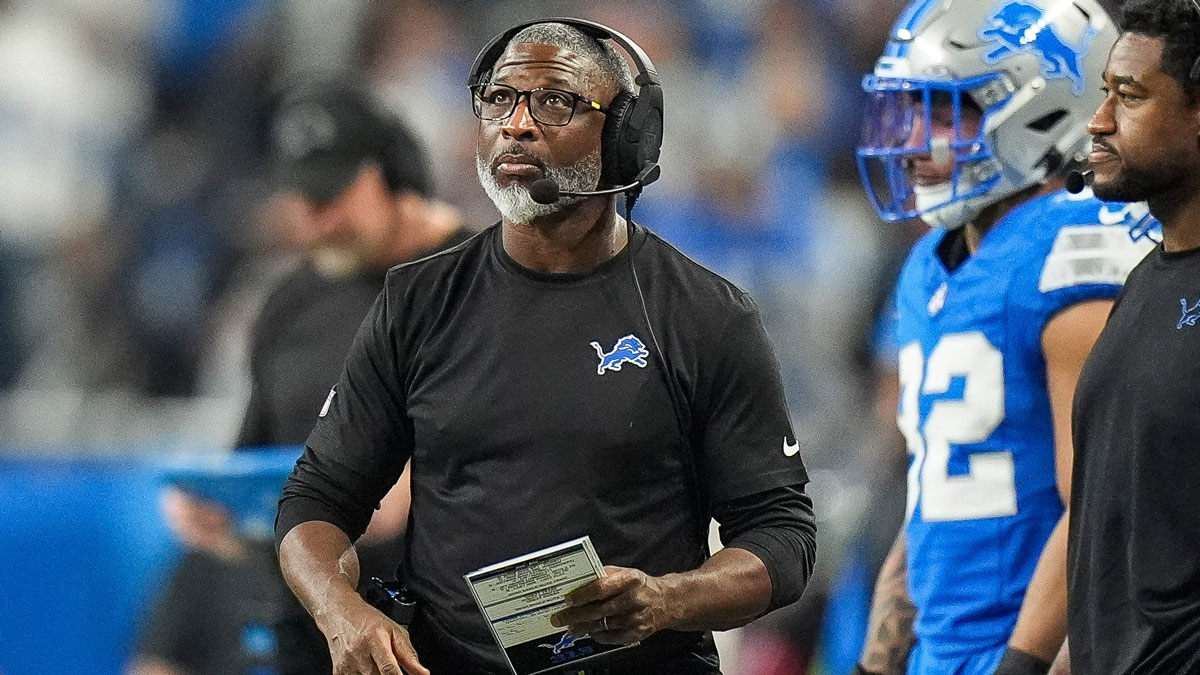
pixel 633 127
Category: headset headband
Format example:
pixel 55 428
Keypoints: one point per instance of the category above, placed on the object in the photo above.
pixel 487 57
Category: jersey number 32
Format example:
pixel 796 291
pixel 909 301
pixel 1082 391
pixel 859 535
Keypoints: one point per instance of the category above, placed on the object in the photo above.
pixel 988 488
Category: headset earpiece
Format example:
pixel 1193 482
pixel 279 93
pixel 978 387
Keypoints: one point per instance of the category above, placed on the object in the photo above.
pixel 632 136
pixel 618 159
pixel 643 132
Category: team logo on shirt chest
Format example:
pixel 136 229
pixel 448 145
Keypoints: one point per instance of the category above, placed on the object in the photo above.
pixel 628 349
pixel 1190 314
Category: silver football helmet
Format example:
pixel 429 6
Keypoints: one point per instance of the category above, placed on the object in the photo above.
pixel 1031 66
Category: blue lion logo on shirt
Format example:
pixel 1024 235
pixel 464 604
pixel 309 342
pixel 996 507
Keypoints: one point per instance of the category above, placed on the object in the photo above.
pixel 1190 314
pixel 1021 27
pixel 564 643
pixel 628 349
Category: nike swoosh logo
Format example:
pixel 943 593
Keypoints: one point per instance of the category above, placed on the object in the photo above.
pixel 790 450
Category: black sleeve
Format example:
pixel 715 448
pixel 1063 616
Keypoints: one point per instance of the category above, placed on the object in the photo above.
pixel 361 440
pixel 779 528
pixel 746 444
pixel 174 629
pixel 253 432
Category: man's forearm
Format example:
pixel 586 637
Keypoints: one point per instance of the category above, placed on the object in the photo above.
pixel 321 567
pixel 770 548
pixel 729 590
pixel 1042 623
pixel 890 624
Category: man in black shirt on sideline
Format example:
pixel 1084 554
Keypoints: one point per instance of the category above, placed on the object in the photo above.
pixel 360 191
pixel 563 373
pixel 1134 567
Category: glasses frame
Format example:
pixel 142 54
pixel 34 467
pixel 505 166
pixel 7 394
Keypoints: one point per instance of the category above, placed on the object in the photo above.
pixel 527 94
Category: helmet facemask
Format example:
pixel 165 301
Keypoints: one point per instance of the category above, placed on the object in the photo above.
pixel 924 151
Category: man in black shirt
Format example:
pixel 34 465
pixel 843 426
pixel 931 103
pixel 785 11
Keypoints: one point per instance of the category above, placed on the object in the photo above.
pixel 1134 594
pixel 364 185
pixel 565 373
pixel 360 188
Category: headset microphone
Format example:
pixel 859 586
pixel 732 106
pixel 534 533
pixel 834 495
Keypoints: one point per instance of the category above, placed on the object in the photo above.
pixel 546 191
pixel 1077 180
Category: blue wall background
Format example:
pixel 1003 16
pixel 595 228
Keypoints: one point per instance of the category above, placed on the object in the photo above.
pixel 82 549
pixel 81 545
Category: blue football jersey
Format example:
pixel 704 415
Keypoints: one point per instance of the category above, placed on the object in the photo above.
pixel 982 498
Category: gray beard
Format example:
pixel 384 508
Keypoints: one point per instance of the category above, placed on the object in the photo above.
pixel 517 206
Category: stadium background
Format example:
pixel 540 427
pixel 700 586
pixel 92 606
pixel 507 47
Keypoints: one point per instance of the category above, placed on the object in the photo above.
pixel 138 236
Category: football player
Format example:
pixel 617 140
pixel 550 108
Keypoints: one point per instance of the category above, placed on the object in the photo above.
pixel 977 109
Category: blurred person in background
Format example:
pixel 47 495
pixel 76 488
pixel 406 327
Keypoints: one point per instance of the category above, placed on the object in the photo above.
pixel 72 96
pixel 357 187
pixel 976 111
pixel 149 276
pixel 412 50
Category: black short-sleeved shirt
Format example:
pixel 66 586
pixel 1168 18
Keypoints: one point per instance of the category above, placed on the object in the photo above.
pixel 298 345
pixel 536 409
pixel 1134 584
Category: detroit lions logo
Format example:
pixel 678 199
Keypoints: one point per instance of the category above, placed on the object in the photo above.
pixel 1023 27
pixel 628 349
pixel 564 643
pixel 1190 314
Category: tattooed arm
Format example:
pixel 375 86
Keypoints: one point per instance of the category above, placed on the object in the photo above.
pixel 890 625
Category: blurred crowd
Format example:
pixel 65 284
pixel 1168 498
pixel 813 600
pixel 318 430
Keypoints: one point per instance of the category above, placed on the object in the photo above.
pixel 140 229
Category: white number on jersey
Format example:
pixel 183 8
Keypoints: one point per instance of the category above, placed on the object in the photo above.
pixel 988 489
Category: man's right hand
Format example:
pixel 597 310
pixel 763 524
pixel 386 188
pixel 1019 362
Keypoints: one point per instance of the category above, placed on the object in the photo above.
pixel 200 524
pixel 321 567
pixel 362 641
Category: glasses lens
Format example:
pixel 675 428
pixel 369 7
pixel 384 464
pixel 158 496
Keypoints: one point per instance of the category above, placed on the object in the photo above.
pixel 552 106
pixel 494 101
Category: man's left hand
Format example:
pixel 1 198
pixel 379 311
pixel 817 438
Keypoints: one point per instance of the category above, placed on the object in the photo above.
pixel 622 607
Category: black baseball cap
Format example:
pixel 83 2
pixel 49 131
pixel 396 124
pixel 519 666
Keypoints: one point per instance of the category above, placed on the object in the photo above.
pixel 323 134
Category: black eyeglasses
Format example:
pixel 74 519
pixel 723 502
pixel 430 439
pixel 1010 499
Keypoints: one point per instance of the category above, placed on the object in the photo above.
pixel 552 107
